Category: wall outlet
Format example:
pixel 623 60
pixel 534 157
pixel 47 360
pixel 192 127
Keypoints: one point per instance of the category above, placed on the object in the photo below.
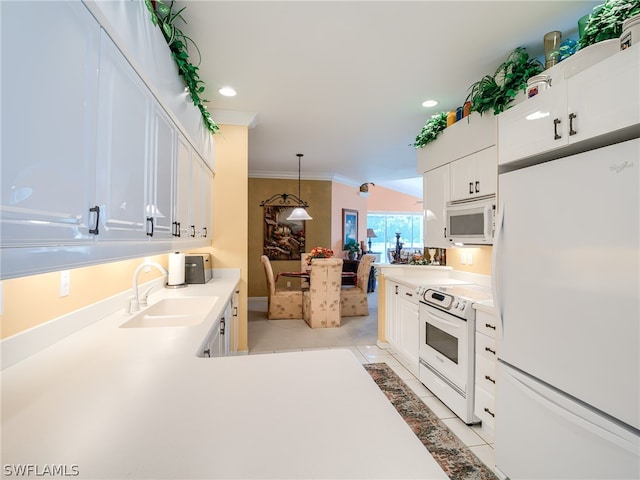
pixel 470 258
pixel 288 284
pixel 463 258
pixel 65 283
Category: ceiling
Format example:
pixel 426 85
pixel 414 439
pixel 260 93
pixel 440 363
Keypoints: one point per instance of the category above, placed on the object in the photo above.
pixel 343 81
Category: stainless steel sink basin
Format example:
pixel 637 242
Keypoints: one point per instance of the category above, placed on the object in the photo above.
pixel 173 312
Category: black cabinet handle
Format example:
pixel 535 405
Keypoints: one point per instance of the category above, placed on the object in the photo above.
pixel 487 377
pixel 470 188
pixel 489 412
pixel 149 222
pixel 477 187
pixel 95 231
pixel 222 322
pixel 488 325
pixel 487 349
pixel 193 230
pixel 408 294
pixel 556 122
pixel 204 232
pixel 571 130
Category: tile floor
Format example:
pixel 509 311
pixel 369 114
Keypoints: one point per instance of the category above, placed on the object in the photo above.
pixel 358 334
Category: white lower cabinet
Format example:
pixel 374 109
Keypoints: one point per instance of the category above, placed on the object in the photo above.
pixel 486 370
pixel 402 325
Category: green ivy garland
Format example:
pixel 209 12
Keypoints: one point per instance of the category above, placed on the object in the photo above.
pixel 164 16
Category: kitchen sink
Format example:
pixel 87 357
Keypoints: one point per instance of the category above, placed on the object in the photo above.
pixel 173 312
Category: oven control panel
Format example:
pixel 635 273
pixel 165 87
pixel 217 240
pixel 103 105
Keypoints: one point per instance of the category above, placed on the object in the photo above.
pixel 444 301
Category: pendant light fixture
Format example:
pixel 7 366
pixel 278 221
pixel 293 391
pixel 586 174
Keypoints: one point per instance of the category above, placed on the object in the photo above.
pixel 299 213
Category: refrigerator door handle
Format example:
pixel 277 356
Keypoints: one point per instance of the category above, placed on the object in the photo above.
pixel 573 415
pixel 494 267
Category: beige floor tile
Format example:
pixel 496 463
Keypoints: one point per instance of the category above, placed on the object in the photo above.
pixel 437 407
pixel 486 454
pixel 463 432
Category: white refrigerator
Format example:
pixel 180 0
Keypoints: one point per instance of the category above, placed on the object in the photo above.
pixel 567 286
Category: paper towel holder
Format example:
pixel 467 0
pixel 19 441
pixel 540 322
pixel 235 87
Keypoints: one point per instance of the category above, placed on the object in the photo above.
pixel 177 285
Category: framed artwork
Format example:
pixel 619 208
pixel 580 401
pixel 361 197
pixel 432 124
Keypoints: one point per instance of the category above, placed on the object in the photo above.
pixel 283 239
pixel 349 226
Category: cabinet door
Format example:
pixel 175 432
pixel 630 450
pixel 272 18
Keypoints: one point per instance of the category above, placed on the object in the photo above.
pixel 391 313
pixel 605 97
pixel 485 172
pixel 436 196
pixel 462 178
pixel 537 125
pixel 408 328
pixel 184 194
pixel 161 175
pixel 49 96
pixel 202 179
pixel 123 142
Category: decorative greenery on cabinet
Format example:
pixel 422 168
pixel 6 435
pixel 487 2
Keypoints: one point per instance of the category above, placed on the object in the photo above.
pixel 165 17
pixel 431 129
pixel 606 21
pixel 498 91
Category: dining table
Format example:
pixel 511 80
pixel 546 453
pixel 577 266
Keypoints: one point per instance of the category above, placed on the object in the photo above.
pixel 307 275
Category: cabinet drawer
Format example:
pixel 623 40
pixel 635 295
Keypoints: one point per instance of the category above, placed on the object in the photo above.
pixel 486 374
pixel 486 347
pixel 408 294
pixel 486 323
pixel 485 408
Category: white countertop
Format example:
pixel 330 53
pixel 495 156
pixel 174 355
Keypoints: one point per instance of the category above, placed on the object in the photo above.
pixel 137 403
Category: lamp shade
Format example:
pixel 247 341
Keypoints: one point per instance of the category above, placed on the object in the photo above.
pixel 371 233
pixel 299 213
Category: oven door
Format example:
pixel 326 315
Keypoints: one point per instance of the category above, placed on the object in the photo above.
pixel 444 345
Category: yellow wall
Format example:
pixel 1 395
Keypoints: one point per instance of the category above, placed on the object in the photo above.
pixel 481 259
pixel 230 195
pixel 32 300
pixel 316 193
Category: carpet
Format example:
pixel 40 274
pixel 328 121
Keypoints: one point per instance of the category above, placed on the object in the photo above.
pixel 455 458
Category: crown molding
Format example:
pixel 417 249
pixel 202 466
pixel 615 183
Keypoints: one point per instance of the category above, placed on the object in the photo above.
pixel 328 177
pixel 234 117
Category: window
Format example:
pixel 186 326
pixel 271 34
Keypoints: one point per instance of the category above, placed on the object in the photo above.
pixel 386 225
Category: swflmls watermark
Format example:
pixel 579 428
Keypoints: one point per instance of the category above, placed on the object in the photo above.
pixel 35 470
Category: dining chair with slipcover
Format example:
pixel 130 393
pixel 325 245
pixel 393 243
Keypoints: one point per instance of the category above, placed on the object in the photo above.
pixel 304 283
pixel 321 303
pixel 353 299
pixel 281 304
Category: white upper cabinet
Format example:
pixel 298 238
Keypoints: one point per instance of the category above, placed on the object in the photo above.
pixel 124 130
pixel 474 175
pixel 599 100
pixel 90 158
pixel 194 204
pixel 161 196
pixel 48 127
pixel 436 196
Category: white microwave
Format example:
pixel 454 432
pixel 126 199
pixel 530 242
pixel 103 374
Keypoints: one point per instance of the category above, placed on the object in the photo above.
pixel 471 222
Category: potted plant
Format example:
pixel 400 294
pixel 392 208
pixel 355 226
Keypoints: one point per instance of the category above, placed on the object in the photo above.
pixel 605 22
pixel 353 249
pixel 497 92
pixel 431 129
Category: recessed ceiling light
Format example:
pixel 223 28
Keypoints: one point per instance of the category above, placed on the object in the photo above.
pixel 429 103
pixel 227 92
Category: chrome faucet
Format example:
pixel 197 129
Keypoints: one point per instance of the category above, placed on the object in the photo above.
pixel 136 302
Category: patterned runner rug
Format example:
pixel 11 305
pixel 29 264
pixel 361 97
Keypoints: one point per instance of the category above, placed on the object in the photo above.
pixel 455 458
